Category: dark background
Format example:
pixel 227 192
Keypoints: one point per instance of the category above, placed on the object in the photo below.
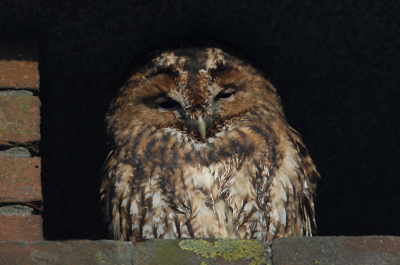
pixel 335 63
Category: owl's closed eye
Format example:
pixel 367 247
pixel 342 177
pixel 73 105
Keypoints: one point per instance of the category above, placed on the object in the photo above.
pixel 201 148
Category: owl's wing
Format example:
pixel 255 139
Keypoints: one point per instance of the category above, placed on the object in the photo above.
pixel 105 189
pixel 310 184
pixel 115 194
pixel 291 187
pixel 132 201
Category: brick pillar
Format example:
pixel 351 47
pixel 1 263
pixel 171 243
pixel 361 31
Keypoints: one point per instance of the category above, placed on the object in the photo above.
pixel 20 186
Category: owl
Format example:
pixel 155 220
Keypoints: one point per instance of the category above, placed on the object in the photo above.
pixel 200 148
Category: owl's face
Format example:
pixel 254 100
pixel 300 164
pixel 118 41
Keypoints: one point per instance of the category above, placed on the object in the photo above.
pixel 197 92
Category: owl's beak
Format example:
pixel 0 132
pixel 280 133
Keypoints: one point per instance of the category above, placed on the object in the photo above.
pixel 201 126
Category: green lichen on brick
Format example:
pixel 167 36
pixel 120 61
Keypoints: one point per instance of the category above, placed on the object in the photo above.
pixel 161 252
pixel 100 258
pixel 200 246
pixel 229 249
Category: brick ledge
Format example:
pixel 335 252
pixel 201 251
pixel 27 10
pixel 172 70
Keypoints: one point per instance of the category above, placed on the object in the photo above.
pixel 316 250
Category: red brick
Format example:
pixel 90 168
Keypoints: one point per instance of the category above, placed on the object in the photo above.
pixel 21 228
pixel 18 63
pixel 19 74
pixel 19 120
pixel 20 179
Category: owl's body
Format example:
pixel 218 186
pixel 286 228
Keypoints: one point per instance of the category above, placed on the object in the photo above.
pixel 201 149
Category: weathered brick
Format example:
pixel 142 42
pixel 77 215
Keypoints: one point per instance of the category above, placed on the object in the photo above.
pixel 67 252
pixel 19 74
pixel 19 120
pixel 336 250
pixel 20 179
pixel 27 228
pixel 296 251
pixel 116 252
pixel 18 63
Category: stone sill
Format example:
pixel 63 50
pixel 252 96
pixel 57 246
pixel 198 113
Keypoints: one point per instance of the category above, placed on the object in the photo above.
pixel 303 250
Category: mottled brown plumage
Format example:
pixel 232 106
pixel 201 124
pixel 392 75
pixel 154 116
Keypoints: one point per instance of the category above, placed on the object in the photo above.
pixel 201 148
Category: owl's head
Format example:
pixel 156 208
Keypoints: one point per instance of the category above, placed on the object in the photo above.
pixel 197 91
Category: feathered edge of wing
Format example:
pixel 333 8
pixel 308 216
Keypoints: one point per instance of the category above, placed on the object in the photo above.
pixel 112 196
pixel 106 178
pixel 309 188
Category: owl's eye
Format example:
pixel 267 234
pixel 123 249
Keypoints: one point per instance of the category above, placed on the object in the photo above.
pixel 167 104
pixel 226 94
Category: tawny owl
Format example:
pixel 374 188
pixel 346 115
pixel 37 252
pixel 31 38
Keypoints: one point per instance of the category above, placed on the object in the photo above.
pixel 201 149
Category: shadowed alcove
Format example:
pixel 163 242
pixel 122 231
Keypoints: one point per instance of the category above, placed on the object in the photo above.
pixel 335 66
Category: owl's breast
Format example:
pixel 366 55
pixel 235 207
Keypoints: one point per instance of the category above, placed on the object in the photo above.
pixel 221 197
pixel 212 189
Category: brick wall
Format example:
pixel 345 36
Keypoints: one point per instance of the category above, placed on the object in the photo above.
pixel 20 167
